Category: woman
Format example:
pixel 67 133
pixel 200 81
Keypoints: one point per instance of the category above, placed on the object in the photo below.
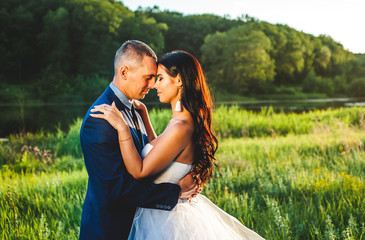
pixel 186 144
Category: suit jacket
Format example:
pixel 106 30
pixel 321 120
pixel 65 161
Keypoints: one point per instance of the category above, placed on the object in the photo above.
pixel 112 193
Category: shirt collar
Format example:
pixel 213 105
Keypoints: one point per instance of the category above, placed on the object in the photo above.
pixel 121 96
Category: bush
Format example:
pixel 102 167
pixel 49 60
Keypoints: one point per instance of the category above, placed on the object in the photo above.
pixel 340 84
pixel 357 87
pixel 89 88
pixel 42 151
pixel 70 145
pixel 68 163
pixel 313 83
pixel 309 82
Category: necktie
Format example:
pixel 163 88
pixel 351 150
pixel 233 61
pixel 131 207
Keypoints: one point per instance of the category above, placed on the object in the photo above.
pixel 136 124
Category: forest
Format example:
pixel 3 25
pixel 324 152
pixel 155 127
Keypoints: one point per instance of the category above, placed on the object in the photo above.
pixel 59 51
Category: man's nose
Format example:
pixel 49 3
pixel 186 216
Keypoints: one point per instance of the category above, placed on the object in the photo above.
pixel 151 83
pixel 155 85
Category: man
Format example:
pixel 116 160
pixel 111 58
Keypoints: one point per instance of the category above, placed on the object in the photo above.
pixel 113 194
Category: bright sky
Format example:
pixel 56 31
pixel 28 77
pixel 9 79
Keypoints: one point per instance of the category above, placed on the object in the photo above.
pixel 343 20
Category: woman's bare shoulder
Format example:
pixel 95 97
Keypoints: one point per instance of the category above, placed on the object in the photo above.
pixel 184 125
pixel 180 128
pixel 176 130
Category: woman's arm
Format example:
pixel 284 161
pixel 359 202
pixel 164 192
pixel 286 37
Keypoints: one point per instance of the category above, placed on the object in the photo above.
pixel 142 109
pixel 103 164
pixel 170 144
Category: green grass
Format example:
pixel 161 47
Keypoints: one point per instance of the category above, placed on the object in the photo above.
pixel 286 176
pixel 236 123
pixel 41 206
pixel 294 187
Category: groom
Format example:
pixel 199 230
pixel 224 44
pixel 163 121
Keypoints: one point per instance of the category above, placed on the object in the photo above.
pixel 113 194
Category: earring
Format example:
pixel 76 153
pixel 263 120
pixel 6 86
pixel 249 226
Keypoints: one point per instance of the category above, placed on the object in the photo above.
pixel 178 107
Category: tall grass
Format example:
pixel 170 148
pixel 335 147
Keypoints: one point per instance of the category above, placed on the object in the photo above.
pixel 34 152
pixel 41 206
pixel 234 122
pixel 294 187
pixel 286 176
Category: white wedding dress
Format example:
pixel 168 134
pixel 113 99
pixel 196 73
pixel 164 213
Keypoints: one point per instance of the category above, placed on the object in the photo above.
pixel 199 219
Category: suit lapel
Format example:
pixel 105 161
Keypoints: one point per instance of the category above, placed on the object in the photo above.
pixel 127 117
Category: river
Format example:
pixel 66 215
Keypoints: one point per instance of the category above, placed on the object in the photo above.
pixel 33 118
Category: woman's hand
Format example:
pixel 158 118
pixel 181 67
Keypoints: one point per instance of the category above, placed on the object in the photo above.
pixel 139 106
pixel 142 110
pixel 112 115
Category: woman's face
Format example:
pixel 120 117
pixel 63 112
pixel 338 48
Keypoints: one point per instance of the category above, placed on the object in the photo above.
pixel 167 87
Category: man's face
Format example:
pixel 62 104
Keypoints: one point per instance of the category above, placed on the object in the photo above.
pixel 141 78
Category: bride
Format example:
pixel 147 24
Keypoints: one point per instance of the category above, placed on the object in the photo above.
pixel 187 144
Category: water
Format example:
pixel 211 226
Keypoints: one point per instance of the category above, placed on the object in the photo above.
pixel 33 118
pixel 300 105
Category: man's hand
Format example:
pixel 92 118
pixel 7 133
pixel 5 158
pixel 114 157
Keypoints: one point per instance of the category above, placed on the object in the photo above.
pixel 190 186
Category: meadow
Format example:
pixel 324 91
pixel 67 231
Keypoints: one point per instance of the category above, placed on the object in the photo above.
pixel 284 175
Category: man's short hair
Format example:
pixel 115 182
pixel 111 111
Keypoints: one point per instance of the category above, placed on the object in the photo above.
pixel 131 53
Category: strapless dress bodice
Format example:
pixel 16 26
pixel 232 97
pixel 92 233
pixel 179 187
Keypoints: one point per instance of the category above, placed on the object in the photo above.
pixel 172 173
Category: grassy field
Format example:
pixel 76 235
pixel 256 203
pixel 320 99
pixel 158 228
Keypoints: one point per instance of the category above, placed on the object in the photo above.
pixel 286 176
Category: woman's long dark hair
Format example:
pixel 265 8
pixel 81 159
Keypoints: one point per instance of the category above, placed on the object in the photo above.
pixel 197 100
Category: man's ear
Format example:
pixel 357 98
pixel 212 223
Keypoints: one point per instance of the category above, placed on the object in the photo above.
pixel 123 72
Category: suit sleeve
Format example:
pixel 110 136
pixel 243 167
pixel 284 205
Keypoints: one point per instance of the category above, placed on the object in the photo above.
pixel 108 176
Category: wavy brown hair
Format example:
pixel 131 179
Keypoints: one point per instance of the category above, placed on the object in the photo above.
pixel 197 100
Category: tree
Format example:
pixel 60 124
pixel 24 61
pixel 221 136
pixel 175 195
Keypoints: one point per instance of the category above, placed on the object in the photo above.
pixel 288 51
pixel 323 59
pixel 188 32
pixel 16 20
pixel 238 60
pixel 146 29
pixel 339 57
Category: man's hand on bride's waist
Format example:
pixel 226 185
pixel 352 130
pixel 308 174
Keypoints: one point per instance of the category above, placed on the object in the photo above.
pixel 190 186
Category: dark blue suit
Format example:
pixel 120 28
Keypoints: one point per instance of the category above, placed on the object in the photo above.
pixel 112 193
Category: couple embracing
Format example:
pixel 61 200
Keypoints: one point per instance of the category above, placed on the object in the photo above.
pixel 140 185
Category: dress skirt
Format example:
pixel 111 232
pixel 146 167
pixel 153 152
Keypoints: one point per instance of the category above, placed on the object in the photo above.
pixel 199 219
